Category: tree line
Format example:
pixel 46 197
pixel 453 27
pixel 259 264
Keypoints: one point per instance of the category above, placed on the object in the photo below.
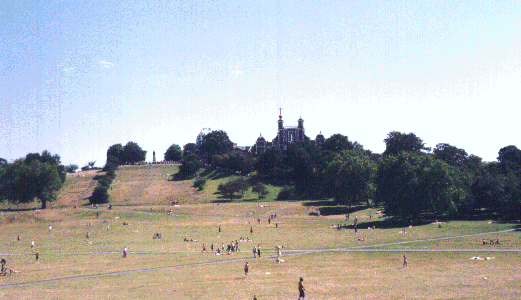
pixel 409 180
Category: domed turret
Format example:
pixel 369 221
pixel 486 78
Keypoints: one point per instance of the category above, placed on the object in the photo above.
pixel 260 145
pixel 319 140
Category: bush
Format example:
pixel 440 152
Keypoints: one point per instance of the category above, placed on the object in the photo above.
pixel 260 189
pixel 105 181
pixel 200 183
pixel 287 193
pixel 189 167
pixel 100 195
pixel 229 188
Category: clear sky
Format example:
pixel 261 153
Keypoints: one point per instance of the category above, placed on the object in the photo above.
pixel 79 76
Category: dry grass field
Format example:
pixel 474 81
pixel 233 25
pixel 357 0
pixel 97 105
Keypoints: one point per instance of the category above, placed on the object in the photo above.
pixel 335 264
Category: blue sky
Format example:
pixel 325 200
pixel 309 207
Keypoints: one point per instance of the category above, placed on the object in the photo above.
pixel 79 76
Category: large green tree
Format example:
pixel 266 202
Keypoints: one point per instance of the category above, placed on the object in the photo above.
pixel 23 181
pixel 189 167
pixel 230 188
pixel 235 161
pixel 215 143
pixel 189 149
pixel 450 154
pixel 270 164
pixel 350 177
pixel 412 183
pixel 115 150
pixel 173 153
pixel 132 153
pixel 396 142
pixel 338 142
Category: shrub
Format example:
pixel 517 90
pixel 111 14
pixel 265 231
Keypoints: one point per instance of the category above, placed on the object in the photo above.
pixel 100 195
pixel 260 189
pixel 287 193
pixel 200 183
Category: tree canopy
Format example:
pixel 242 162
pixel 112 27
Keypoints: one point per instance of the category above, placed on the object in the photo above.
pixel 215 143
pixel 33 177
pixel 350 177
pixel 189 149
pixel 396 142
pixel 173 153
pixel 411 183
pixel 132 153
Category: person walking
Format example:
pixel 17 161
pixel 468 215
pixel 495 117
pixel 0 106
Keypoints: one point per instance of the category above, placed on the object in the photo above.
pixel 405 262
pixel 301 290
pixel 254 251
pixel 125 252
pixel 246 269
pixel 258 251
pixel 37 255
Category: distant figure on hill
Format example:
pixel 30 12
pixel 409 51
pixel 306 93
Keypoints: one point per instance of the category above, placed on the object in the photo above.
pixel 37 255
pixel 219 228
pixel 32 245
pixel 251 229
pixel 405 262
pixel 18 238
pixel 125 252
pixel 254 251
pixel 50 228
pixel 258 251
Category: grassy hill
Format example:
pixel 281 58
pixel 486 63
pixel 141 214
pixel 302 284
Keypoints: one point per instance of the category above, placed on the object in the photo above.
pixel 82 254
pixel 147 185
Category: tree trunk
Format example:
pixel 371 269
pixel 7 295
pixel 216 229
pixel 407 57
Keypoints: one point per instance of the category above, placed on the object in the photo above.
pixel 44 204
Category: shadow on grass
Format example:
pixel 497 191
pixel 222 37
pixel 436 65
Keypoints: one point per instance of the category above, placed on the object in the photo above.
pixel 22 209
pixel 330 208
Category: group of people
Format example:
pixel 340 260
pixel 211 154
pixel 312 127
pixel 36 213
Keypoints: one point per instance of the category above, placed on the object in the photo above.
pixel 492 242
pixel 256 251
pixel 4 271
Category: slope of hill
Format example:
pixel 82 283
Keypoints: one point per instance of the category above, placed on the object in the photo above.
pixel 147 184
pixel 77 187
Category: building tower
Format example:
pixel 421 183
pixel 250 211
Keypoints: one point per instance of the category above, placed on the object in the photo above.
pixel 281 129
pixel 300 129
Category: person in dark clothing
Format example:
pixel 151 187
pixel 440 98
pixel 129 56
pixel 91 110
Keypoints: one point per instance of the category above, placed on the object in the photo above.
pixel 301 289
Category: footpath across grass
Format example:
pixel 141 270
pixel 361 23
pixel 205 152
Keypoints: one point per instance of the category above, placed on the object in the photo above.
pixel 335 264
pixel 168 265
